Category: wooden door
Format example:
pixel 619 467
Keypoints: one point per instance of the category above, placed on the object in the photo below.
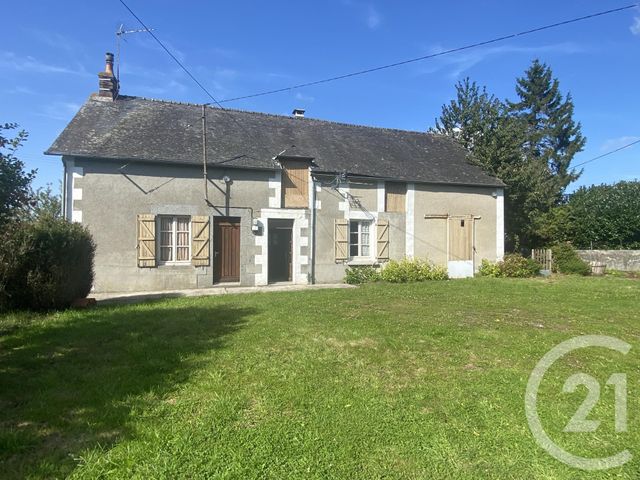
pixel 461 238
pixel 226 250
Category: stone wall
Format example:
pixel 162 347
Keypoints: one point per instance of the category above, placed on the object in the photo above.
pixel 626 260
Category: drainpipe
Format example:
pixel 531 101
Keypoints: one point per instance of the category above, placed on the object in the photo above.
pixel 204 152
pixel 313 230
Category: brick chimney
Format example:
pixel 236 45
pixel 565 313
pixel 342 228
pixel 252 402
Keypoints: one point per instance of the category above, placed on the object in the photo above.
pixel 107 81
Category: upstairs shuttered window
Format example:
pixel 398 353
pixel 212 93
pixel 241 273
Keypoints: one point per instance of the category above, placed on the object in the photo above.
pixel 394 196
pixel 295 184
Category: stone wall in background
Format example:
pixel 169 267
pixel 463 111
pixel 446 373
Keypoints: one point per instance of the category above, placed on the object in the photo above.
pixel 626 260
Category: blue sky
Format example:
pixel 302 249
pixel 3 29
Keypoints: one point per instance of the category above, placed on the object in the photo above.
pixel 52 52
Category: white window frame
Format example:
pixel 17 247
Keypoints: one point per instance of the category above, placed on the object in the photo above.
pixel 174 242
pixel 360 222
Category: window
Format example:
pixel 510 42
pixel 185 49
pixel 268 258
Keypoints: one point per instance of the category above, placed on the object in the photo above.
pixel 175 241
pixel 394 196
pixel 295 184
pixel 359 238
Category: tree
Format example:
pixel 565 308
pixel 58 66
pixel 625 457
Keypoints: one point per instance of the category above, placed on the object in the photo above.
pixel 599 216
pixel 47 204
pixel 15 182
pixel 484 126
pixel 528 144
pixel 553 137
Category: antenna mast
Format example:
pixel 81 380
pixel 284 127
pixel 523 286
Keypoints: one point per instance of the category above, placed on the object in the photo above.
pixel 120 33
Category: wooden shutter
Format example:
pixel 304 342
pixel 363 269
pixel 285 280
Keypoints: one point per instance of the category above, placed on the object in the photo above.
pixel 382 233
pixel 200 241
pixel 341 238
pixel 394 196
pixel 295 184
pixel 146 240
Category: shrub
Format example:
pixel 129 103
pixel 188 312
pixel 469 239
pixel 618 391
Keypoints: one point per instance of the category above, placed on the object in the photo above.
pixel 45 265
pixel 567 261
pixel 357 275
pixel 489 269
pixel 412 270
pixel 514 265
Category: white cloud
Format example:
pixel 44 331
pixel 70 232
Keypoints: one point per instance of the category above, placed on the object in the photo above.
pixel 304 98
pixel 635 28
pixel 58 110
pixel 373 17
pixel 458 63
pixel 11 61
pixel 614 143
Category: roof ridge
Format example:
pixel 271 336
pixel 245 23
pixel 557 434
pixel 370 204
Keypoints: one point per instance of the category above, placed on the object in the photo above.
pixel 276 115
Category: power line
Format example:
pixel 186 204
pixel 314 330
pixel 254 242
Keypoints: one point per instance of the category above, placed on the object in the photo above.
pixel 426 57
pixel 181 65
pixel 607 154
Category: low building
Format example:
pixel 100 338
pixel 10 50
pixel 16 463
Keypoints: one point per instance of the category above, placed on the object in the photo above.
pixel 184 196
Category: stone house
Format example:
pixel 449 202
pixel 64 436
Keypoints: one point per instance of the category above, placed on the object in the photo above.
pixel 182 195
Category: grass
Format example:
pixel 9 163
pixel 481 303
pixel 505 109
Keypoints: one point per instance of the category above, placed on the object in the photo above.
pixel 386 381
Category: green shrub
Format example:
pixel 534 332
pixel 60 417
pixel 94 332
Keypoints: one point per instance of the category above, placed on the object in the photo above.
pixel 45 265
pixel 357 275
pixel 412 270
pixel 514 265
pixel 567 261
pixel 489 269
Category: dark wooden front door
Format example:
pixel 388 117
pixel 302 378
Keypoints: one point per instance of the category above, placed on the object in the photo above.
pixel 226 250
pixel 280 249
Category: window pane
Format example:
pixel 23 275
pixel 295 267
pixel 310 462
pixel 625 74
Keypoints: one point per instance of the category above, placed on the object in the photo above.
pixel 365 250
pixel 165 254
pixel 353 250
pixel 183 239
pixel 182 224
pixel 166 223
pixel 166 239
pixel 183 254
pixel 364 227
pixel 364 239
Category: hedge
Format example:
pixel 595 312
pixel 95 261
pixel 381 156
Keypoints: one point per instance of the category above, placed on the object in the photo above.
pixel 45 264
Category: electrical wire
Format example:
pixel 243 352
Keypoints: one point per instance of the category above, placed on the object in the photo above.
pixel 607 154
pixel 433 55
pixel 181 65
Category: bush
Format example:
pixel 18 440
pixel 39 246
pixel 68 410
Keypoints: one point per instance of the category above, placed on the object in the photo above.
pixel 45 265
pixel 514 265
pixel 567 261
pixel 412 270
pixel 489 269
pixel 361 274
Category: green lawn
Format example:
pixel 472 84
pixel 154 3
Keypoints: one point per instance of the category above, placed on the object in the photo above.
pixel 385 381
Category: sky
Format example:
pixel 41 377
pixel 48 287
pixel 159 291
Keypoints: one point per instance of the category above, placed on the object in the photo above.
pixel 52 51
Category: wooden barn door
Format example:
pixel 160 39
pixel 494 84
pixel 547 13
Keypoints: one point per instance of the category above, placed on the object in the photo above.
pixel 226 250
pixel 461 247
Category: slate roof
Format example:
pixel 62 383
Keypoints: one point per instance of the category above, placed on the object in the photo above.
pixel 134 128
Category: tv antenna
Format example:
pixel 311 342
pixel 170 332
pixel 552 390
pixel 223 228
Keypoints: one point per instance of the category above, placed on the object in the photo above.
pixel 120 34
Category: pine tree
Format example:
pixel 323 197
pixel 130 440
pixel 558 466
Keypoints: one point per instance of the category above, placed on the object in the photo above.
pixel 553 137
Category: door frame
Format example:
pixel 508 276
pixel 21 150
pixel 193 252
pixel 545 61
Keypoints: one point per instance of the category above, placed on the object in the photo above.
pixel 272 226
pixel 217 268
pixel 462 268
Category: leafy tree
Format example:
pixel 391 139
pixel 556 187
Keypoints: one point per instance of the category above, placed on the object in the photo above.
pixel 600 217
pixel 47 204
pixel 528 144
pixel 15 182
